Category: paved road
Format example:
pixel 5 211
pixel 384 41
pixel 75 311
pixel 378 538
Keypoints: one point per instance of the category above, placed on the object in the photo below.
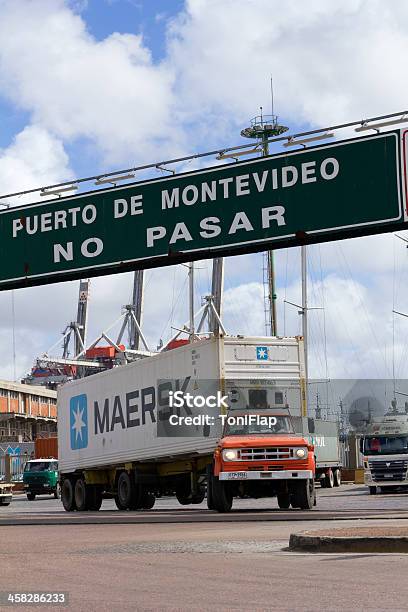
pixel 349 501
pixel 187 558
pixel 197 567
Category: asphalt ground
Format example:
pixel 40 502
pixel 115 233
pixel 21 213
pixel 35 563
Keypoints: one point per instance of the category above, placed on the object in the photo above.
pixel 348 501
pixel 189 564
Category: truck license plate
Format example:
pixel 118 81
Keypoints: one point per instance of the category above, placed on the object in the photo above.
pixel 237 475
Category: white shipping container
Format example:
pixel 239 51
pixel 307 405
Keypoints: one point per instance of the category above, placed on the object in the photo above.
pixel 112 418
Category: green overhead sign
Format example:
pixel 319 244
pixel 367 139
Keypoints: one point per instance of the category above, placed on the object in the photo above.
pixel 317 194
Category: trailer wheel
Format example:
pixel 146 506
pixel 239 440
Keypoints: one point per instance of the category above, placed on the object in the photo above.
pixel 303 494
pixel 81 495
pixel 94 498
pixel 329 479
pixel 183 492
pixel 222 495
pixel 337 477
pixel 283 501
pixel 148 500
pixel 125 497
pixel 31 496
pixel 67 495
pixel 373 490
pixel 198 497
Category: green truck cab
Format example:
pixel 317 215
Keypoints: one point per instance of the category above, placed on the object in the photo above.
pixel 40 477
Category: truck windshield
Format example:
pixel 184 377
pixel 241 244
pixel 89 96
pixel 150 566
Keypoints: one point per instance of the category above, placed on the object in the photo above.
pixel 385 445
pixel 40 466
pixel 252 424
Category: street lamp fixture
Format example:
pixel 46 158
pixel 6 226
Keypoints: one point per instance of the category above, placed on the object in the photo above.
pixel 376 126
pixel 57 191
pixel 113 179
pixel 293 142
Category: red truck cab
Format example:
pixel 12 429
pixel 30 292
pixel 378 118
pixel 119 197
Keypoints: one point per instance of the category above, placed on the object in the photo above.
pixel 260 455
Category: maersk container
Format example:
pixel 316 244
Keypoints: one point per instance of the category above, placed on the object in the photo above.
pixel 119 416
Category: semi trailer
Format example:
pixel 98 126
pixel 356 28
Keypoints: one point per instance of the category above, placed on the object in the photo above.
pixel 165 425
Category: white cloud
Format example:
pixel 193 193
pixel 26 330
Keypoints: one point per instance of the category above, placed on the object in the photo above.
pixel 109 91
pixel 331 61
pixel 34 158
pixel 243 310
pixel 356 332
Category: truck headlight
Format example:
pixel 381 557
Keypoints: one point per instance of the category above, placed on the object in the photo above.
pixel 301 453
pixel 230 454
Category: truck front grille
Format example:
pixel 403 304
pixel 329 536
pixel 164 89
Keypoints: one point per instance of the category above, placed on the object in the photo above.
pixel 268 454
pixel 388 471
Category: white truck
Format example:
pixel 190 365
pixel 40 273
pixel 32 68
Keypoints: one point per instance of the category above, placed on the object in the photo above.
pixel 385 452
pixel 116 436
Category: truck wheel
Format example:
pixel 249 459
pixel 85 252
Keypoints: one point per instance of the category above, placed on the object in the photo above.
pixel 148 500
pixel 95 498
pixel 198 497
pixel 67 495
pixel 210 501
pixel 31 496
pixel 303 495
pixel 373 490
pixel 81 495
pixel 283 501
pixel 337 477
pixel 183 500
pixel 119 504
pixel 329 479
pixel 183 492
pixel 125 497
pixel 222 495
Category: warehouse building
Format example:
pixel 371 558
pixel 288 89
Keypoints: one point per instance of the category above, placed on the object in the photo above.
pixel 26 412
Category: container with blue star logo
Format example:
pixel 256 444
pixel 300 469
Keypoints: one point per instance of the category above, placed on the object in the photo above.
pixel 262 353
pixel 78 413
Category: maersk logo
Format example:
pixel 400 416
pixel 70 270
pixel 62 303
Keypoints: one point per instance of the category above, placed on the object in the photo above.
pixel 78 414
pixel 262 353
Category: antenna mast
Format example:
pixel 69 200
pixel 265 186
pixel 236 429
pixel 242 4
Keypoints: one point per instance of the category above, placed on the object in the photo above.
pixel 262 127
pixel 191 299
pixel 217 286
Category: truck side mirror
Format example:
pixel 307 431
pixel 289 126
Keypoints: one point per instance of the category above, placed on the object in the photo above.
pixel 361 444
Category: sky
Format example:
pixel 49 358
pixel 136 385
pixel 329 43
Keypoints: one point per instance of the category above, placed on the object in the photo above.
pixel 90 86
